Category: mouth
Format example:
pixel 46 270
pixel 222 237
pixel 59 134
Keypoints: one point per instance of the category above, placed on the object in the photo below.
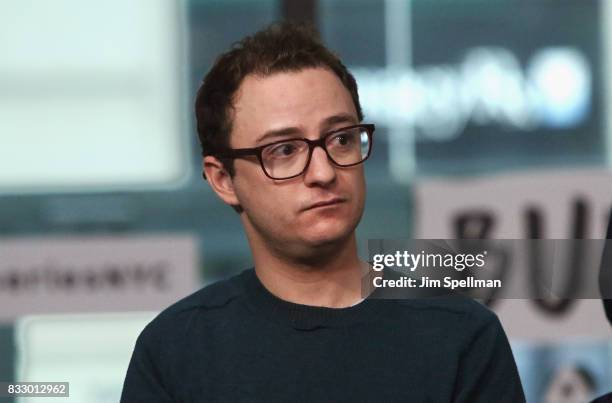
pixel 326 203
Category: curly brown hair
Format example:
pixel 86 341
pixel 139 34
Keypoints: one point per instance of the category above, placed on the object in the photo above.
pixel 280 47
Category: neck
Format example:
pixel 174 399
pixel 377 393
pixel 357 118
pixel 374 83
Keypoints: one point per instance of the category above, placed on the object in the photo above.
pixel 328 276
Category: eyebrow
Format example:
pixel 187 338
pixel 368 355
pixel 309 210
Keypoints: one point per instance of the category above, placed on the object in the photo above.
pixel 288 131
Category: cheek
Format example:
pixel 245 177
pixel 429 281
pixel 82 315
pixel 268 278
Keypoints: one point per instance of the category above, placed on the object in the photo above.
pixel 264 202
pixel 356 184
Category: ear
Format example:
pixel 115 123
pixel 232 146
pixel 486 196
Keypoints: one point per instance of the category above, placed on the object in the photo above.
pixel 220 180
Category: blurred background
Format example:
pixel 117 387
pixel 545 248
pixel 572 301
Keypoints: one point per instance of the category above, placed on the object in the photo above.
pixel 493 120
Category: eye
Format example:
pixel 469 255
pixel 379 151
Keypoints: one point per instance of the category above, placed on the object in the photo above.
pixel 282 150
pixel 343 139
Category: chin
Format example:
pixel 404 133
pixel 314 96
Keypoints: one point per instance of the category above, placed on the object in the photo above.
pixel 322 234
pixel 328 227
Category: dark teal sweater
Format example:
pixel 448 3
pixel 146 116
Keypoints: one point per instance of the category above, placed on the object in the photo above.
pixel 234 341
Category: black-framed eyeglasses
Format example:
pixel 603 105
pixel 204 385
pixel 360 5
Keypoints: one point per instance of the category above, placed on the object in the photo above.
pixel 286 159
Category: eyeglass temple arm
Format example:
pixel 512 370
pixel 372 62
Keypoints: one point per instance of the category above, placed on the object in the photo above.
pixel 237 152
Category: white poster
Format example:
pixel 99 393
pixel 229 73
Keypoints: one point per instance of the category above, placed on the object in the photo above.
pixel 95 273
pixel 546 204
pixel 91 95
pixel 93 352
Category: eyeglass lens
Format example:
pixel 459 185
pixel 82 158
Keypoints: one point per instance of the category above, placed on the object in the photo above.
pixel 289 158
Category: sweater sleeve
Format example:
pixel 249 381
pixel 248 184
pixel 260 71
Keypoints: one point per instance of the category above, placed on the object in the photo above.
pixel 143 382
pixel 487 371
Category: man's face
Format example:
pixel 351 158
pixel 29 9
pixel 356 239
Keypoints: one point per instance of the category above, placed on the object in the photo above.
pixel 304 104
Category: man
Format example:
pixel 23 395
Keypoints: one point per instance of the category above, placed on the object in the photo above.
pixel 280 124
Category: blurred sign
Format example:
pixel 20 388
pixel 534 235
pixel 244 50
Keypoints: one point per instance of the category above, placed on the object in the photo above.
pixel 488 86
pixel 557 205
pixel 91 352
pixel 533 92
pixel 90 95
pixel 95 274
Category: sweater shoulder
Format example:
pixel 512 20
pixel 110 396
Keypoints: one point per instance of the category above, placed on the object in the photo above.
pixel 436 318
pixel 212 296
pixel 454 307
pixel 178 317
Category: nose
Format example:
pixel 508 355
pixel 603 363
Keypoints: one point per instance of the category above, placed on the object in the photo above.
pixel 320 170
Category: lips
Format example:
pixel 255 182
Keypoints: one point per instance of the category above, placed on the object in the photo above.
pixel 323 203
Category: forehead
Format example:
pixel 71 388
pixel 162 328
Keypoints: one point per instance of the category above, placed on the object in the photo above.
pixel 303 99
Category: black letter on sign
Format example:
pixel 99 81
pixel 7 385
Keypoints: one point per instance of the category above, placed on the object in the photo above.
pixel 479 225
pixel 535 231
pixel 473 225
pixel 605 272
